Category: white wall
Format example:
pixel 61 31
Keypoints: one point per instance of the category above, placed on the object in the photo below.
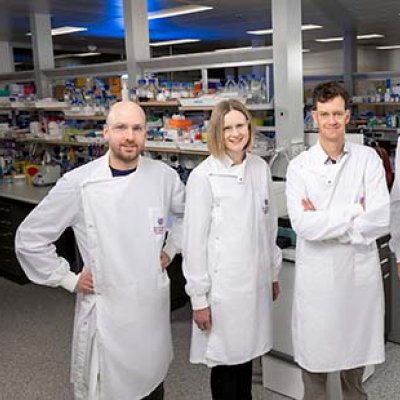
pixel 331 62
pixel 393 59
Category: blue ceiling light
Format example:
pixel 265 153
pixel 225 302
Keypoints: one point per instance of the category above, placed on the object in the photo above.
pixel 112 25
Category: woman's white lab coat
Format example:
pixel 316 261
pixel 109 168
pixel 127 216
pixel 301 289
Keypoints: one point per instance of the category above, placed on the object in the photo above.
pixel 122 342
pixel 338 311
pixel 230 258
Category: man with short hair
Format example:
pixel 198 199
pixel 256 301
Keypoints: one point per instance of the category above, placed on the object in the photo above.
pixel 120 207
pixel 338 204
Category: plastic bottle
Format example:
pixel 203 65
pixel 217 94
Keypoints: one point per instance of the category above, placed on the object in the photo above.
pixel 124 90
pixel 230 85
pixel 152 90
pixel 132 94
pixel 263 90
pixel 175 92
pixel 184 90
pixel 243 87
pixel 255 89
pixel 141 90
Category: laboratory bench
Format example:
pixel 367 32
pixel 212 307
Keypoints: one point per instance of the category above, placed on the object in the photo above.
pixel 17 199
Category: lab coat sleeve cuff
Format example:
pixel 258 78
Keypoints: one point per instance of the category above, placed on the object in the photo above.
pixel 199 302
pixel 170 249
pixel 69 281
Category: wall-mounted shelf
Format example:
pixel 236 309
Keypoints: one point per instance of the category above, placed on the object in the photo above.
pixel 177 148
pixel 84 117
pixel 260 107
pixel 377 104
pixel 55 142
pixel 33 106
pixel 196 108
pixel 157 147
pixel 167 103
pixel 265 128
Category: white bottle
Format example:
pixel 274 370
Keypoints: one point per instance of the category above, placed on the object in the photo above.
pixel 230 86
pixel 255 89
pixel 124 90
pixel 243 87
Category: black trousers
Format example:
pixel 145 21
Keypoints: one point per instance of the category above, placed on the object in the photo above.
pixel 157 393
pixel 231 382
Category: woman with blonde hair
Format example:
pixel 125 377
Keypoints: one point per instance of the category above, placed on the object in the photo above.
pixel 231 261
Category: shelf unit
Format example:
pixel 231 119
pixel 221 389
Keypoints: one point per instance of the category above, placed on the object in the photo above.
pixel 55 142
pixel 85 117
pixel 167 103
pixel 380 104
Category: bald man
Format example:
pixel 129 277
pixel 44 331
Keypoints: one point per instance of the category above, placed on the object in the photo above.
pixel 121 207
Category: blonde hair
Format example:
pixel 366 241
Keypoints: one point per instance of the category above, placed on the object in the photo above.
pixel 215 134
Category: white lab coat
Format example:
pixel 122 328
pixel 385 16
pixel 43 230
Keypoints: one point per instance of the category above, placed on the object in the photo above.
pixel 122 332
pixel 338 310
pixel 395 207
pixel 230 258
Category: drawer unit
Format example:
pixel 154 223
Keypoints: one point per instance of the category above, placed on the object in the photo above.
pixel 12 213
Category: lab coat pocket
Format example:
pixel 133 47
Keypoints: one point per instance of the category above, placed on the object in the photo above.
pixel 366 268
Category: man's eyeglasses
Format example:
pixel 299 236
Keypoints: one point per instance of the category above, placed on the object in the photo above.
pixel 124 128
pixel 339 115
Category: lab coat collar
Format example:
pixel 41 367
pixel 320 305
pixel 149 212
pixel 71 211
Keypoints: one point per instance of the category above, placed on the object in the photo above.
pixel 228 162
pixel 103 171
pixel 320 155
pixel 226 167
pixel 102 168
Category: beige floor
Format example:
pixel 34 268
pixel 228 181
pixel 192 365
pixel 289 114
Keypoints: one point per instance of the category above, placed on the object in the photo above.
pixel 35 334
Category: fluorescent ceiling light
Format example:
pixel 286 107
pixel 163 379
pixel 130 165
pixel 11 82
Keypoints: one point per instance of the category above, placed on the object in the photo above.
pixel 396 46
pixel 359 37
pixel 172 12
pixel 171 42
pixel 63 30
pixel 61 56
pixel 306 50
pixel 307 27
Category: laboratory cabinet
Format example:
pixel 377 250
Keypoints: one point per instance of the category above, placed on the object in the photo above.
pixel 12 213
